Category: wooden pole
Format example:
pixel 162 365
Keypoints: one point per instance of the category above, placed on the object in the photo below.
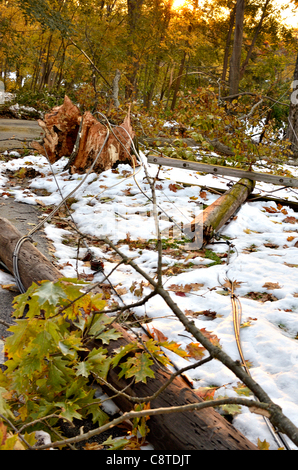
pixel 196 430
pixel 202 228
pixel 33 265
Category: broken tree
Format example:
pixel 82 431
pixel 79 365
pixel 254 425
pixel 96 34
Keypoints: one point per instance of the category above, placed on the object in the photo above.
pixel 203 227
pixel 84 139
pixel 205 429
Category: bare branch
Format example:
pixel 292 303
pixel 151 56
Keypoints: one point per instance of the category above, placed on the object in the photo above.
pixel 260 408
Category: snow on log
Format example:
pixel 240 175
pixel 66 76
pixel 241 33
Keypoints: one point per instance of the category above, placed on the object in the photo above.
pixel 62 126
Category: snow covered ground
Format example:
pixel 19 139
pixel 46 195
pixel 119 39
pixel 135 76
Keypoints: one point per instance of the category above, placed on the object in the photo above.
pixel 264 263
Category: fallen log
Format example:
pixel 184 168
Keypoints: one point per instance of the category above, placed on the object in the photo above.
pixel 33 265
pixel 205 429
pixel 64 124
pixel 201 229
pixel 196 430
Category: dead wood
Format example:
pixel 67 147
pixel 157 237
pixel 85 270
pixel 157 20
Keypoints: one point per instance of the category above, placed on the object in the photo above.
pixel 65 137
pixel 33 265
pixel 203 227
pixel 61 127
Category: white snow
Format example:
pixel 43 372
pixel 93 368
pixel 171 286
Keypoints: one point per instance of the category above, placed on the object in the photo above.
pixel 111 204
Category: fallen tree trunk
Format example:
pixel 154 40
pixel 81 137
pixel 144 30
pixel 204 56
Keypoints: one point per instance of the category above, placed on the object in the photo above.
pixel 33 265
pixel 202 228
pixel 62 127
pixel 205 429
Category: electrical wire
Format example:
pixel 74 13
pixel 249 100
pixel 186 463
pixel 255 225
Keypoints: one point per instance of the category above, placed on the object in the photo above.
pixel 37 227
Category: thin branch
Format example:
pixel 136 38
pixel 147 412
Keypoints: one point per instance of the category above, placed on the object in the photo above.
pixel 16 431
pixel 161 389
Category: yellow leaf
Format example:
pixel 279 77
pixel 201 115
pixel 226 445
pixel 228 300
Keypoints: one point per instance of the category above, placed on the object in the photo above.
pixel 263 445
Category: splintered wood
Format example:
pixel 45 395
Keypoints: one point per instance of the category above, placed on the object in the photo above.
pixel 62 126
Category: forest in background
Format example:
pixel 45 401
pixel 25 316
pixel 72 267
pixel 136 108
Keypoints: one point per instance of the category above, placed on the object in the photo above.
pixel 166 63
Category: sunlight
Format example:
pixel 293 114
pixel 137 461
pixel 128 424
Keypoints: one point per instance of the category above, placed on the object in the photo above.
pixel 177 4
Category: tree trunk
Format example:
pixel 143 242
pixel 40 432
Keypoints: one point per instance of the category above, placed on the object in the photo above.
pixel 292 131
pixel 178 82
pixel 253 42
pixel 228 44
pixel 203 227
pixel 237 48
pixel 33 266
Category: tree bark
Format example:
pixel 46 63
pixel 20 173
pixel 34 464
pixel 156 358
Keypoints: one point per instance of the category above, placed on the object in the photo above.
pixel 234 78
pixel 33 265
pixel 203 227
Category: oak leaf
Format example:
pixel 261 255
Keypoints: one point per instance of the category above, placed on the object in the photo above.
pixel 195 350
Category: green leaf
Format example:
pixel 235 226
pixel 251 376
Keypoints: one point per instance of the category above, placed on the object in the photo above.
pixel 69 410
pixel 115 444
pixel 230 409
pixel 138 367
pixel 98 325
pixel 98 416
pixel 83 368
pixel 123 351
pixel 49 292
pixel 109 335
pixel 22 331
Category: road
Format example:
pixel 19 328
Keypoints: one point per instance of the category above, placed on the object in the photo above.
pixel 11 129
pixel 19 214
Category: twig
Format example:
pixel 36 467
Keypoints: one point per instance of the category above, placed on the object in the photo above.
pixel 16 431
pixel 161 389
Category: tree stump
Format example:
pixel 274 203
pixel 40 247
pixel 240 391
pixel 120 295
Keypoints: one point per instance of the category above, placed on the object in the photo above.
pixel 82 138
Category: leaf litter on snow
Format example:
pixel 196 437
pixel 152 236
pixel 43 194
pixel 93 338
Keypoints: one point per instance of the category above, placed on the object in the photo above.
pixel 263 269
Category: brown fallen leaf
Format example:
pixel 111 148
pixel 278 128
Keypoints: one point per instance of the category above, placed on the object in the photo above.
pixel 271 210
pixel 195 350
pixel 271 285
pixel 290 220
pixel 206 313
pixel 271 245
pixel 186 288
pixel 10 287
